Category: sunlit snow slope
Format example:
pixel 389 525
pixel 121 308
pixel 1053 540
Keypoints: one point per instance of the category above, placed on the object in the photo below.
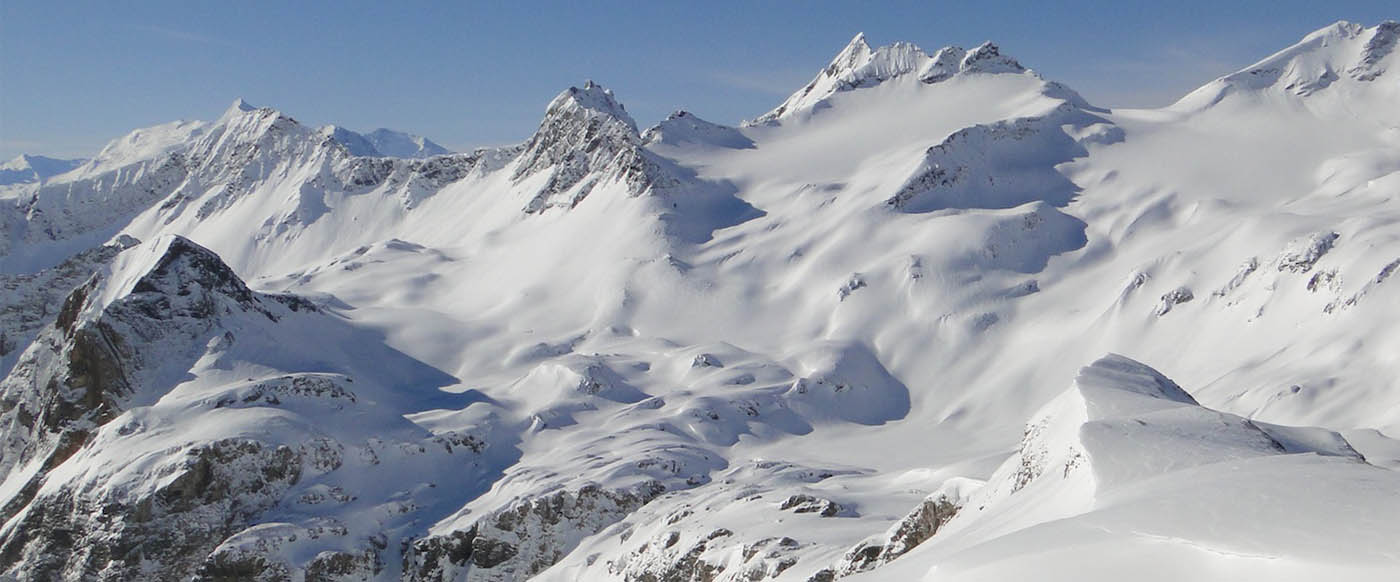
pixel 916 322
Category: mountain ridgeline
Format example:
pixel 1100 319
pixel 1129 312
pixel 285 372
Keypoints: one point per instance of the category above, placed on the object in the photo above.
pixel 932 317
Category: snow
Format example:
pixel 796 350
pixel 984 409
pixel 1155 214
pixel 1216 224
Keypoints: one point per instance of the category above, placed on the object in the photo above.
pixel 858 66
pixel 397 144
pixel 28 169
pixel 760 351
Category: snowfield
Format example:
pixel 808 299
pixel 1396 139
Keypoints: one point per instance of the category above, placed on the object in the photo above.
pixel 933 318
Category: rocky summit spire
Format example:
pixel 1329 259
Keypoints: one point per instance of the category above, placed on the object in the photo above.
pixel 584 129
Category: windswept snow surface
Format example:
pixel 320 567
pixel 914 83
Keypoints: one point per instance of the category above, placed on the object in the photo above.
pixel 916 323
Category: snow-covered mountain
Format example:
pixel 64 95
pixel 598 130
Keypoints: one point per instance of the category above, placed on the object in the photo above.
pixel 385 143
pixel 27 169
pixel 915 323
pixel 397 144
pixel 26 172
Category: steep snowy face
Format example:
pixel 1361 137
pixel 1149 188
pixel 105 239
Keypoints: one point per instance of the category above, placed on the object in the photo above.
pixel 141 146
pixel 859 66
pixel 1350 56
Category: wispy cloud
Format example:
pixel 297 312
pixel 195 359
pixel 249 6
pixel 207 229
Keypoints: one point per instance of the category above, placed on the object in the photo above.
pixel 181 35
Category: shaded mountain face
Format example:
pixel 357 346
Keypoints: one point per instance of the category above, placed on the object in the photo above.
pixel 933 316
pixel 385 143
pixel 27 169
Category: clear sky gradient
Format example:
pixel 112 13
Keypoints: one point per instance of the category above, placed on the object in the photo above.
pixel 76 74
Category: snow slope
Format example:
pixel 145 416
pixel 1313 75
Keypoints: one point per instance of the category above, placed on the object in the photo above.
pixel 806 348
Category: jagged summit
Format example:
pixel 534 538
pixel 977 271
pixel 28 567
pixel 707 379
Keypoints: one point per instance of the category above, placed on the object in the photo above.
pixel 1344 53
pixel 169 267
pixel 856 52
pixel 584 131
pixel 592 97
pixel 987 58
pixel 182 264
pixel 857 66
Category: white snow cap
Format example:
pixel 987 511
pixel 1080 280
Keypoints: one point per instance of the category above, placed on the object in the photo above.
pixel 858 66
pixel 236 109
pixel 1344 53
pixel 241 105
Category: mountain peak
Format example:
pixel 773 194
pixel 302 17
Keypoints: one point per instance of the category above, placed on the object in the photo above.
pixel 987 58
pixel 583 131
pixel 856 52
pixel 183 264
pixel 683 127
pixel 1344 52
pixel 239 106
pixel 858 66
pixel 241 109
pixel 591 97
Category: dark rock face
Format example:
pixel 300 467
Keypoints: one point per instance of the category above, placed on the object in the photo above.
pixel 26 300
pixel 915 528
pixel 77 375
pixel 587 138
pixel 1380 46
pixel 187 268
pixel 522 540
pixel 672 557
pixel 81 373
pixel 110 535
pixel 803 503
pixel 343 566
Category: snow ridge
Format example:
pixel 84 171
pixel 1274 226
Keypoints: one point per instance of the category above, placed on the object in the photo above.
pixel 1344 51
pixel 858 66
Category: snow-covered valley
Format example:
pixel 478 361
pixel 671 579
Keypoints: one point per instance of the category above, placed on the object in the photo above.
pixel 934 317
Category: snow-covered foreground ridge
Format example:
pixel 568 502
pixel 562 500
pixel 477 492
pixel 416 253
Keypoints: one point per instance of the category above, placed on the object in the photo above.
pixel 871 335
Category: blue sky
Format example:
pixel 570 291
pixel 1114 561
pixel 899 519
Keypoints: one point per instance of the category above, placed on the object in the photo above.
pixel 76 74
